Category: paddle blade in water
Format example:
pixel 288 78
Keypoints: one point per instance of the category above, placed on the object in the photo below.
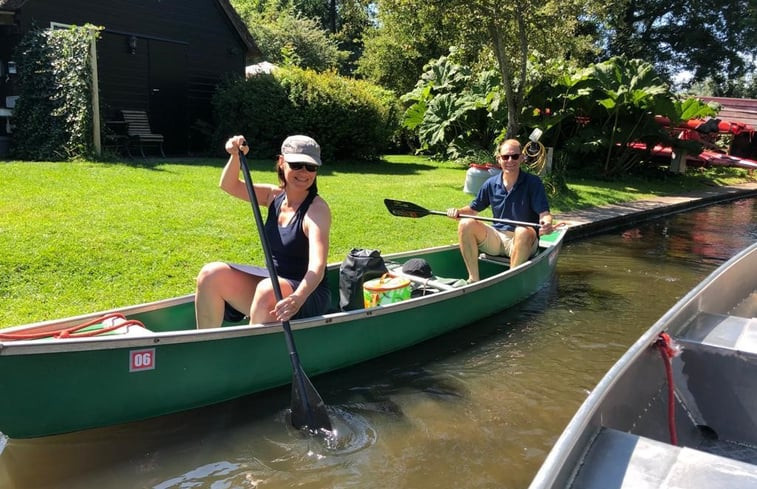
pixel 405 209
pixel 308 409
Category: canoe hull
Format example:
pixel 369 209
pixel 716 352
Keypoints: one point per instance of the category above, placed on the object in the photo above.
pixel 57 386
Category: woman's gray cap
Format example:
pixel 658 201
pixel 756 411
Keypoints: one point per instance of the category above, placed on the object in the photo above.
pixel 301 149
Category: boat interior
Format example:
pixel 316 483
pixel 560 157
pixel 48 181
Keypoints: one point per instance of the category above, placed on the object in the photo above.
pixel 707 436
pixel 445 263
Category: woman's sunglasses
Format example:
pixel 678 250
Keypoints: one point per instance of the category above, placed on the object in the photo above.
pixel 300 166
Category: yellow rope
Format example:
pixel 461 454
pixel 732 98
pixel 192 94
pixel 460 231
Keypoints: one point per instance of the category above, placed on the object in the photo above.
pixel 536 157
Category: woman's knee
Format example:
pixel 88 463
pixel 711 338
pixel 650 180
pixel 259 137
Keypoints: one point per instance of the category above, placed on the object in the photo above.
pixel 264 289
pixel 263 300
pixel 211 272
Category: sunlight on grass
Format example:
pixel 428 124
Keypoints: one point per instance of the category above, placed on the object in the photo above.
pixel 82 237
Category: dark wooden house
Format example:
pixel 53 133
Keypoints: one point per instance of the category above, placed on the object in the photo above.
pixel 165 57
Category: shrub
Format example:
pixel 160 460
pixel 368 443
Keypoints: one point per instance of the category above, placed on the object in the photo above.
pixel 53 117
pixel 349 118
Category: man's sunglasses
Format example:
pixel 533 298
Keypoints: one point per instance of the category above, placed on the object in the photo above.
pixel 509 157
pixel 300 166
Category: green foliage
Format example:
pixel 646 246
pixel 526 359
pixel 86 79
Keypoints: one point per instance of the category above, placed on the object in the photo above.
pixel 597 111
pixel 517 39
pixel 406 35
pixel 711 39
pixel 288 38
pixel 349 118
pixel 313 34
pixel 591 114
pixel 53 116
pixel 739 87
pixel 454 113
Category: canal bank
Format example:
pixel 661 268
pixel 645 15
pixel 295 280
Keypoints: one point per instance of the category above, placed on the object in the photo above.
pixel 595 220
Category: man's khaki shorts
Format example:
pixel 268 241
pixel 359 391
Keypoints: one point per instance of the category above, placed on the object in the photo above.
pixel 500 243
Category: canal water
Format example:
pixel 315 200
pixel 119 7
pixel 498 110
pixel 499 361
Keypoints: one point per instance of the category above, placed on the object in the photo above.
pixel 477 408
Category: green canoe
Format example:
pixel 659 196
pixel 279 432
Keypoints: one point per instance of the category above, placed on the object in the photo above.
pixel 57 385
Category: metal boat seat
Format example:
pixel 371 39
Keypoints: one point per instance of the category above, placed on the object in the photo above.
pixel 619 460
pixel 722 331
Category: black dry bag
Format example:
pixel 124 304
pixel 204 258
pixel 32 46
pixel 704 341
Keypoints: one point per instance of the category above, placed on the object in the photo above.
pixel 359 266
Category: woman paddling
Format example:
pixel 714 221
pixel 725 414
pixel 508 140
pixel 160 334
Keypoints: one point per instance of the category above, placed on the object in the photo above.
pixel 297 229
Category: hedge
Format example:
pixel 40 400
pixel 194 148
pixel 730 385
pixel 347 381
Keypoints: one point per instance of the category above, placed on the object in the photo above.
pixel 350 119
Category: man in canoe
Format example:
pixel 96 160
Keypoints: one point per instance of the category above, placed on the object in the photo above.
pixel 513 195
pixel 297 229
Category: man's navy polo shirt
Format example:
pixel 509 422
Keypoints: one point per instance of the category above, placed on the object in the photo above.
pixel 525 201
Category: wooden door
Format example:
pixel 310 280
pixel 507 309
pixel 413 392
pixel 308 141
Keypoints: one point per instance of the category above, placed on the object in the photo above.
pixel 168 94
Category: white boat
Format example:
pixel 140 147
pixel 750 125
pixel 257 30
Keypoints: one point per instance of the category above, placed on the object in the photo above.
pixel 632 433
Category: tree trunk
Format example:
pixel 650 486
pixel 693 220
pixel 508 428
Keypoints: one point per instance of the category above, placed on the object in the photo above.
pixel 332 15
pixel 513 83
pixel 506 71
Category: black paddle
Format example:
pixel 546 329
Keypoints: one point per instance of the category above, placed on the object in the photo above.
pixel 308 408
pixel 408 209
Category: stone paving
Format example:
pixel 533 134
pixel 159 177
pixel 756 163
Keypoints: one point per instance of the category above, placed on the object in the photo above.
pixel 585 222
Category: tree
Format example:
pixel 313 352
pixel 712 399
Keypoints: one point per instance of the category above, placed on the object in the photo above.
pixel 711 39
pixel 288 38
pixel 529 33
pixel 308 33
pixel 512 36
pixel 404 37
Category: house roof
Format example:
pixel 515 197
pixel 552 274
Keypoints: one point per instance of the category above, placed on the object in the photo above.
pixel 240 27
pixel 236 22
pixel 736 109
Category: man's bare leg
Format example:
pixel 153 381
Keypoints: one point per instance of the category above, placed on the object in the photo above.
pixel 523 243
pixel 470 234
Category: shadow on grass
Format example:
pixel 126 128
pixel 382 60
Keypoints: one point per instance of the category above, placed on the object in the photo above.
pixel 159 164
pixel 375 167
pixel 565 199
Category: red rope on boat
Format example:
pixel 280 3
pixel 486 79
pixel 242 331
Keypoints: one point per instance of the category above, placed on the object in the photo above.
pixel 665 344
pixel 95 332
pixel 71 332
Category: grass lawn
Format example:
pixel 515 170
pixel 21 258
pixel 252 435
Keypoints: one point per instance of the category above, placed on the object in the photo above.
pixel 83 237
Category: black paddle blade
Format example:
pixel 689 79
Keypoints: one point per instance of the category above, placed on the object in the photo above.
pixel 308 408
pixel 405 209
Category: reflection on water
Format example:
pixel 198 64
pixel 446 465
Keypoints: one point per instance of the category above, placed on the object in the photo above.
pixel 477 408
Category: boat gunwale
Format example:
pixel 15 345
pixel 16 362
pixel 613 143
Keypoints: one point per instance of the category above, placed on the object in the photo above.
pixel 35 346
pixel 567 444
